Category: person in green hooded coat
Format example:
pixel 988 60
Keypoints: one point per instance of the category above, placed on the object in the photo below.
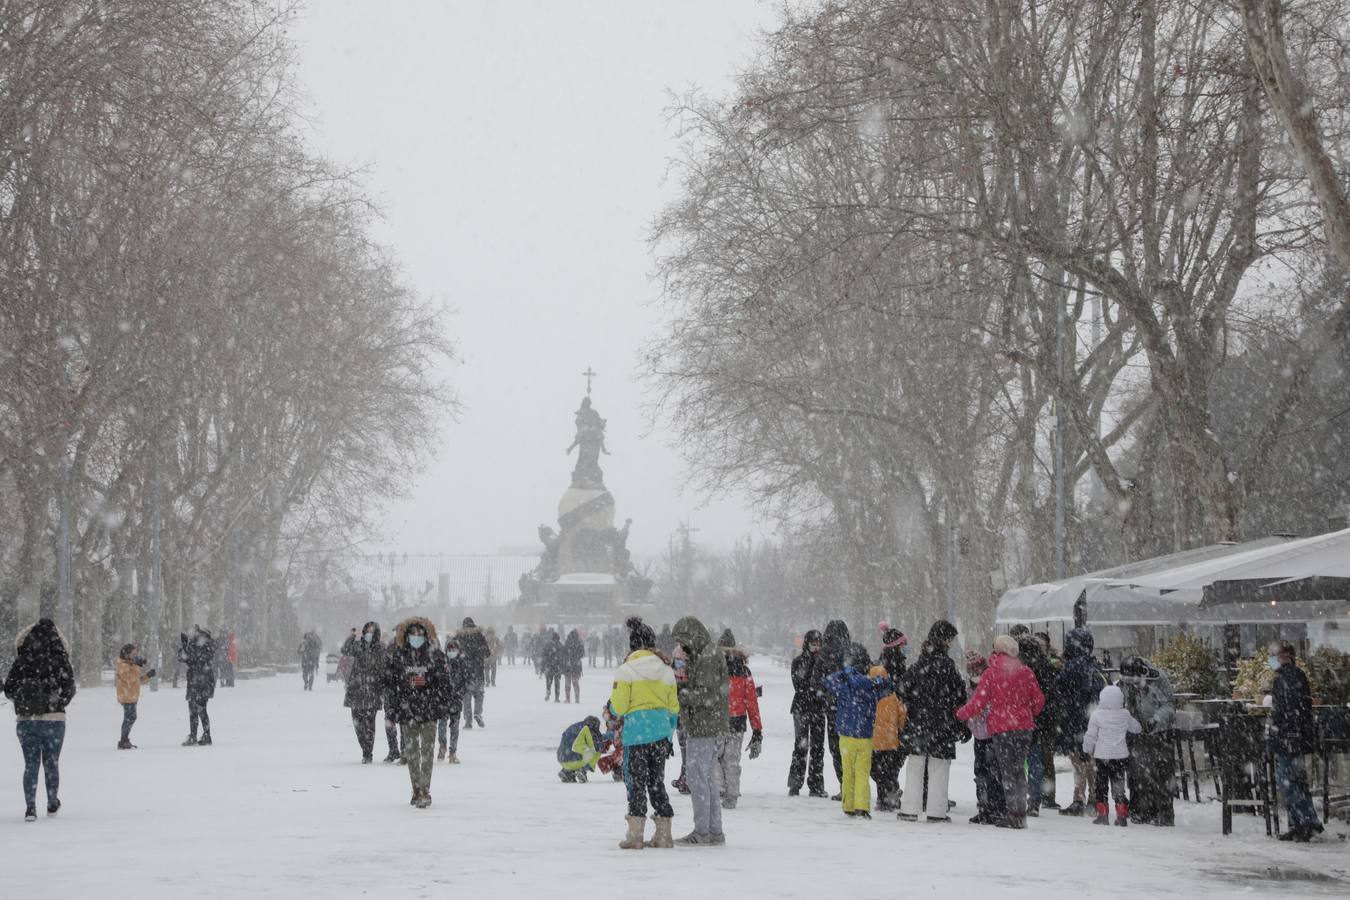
pixel 704 697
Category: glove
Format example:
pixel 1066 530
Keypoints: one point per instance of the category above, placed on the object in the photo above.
pixel 965 736
pixel 150 674
pixel 756 744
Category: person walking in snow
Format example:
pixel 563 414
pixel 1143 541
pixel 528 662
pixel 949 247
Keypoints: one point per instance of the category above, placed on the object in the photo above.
pixel 494 656
pixel 473 644
pixel 551 659
pixel 1009 695
pixel 932 690
pixel 1078 685
pixel 808 719
pixel 856 694
pixel 447 729
pixel 592 647
pixel 1106 740
pixel 41 684
pixel 743 703
pixel 419 684
pixel 645 697
pixel 197 654
pixel 511 644
pixel 574 652
pixel 365 681
pixel 131 674
pixel 704 713
pixel 309 650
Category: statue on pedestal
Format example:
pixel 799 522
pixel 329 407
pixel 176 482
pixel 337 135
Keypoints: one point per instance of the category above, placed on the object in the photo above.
pixel 591 439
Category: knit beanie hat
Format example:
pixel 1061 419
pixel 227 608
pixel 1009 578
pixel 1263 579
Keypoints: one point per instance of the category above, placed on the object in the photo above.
pixel 727 639
pixel 1006 644
pixel 640 635
pixel 892 637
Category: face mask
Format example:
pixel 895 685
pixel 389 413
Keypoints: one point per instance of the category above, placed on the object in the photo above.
pixel 416 641
pixel 453 654
pixel 368 636
pixel 680 664
pixel 201 640
pixel 1273 662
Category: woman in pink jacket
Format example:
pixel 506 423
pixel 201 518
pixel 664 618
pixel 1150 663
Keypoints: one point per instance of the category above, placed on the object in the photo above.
pixel 1010 698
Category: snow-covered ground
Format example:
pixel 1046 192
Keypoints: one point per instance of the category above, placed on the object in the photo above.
pixel 281 807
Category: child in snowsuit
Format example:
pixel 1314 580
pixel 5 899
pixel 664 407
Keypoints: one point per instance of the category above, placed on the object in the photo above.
pixel 579 750
pixel 131 674
pixel 856 696
pixel 1105 742
pixel 887 758
pixel 744 707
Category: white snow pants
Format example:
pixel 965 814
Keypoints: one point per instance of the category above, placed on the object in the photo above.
pixel 938 771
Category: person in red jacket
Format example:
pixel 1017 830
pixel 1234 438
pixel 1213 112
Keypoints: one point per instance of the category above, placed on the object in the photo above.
pixel 744 706
pixel 1011 699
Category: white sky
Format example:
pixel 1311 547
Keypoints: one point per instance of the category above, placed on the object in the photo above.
pixel 519 150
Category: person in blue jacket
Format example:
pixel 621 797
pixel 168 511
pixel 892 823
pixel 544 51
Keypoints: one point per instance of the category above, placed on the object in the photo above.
pixel 580 749
pixel 856 695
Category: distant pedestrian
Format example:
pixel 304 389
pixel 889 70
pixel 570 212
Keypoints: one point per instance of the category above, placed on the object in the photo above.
pixel 365 685
pixel 474 645
pixel 551 660
pixel 574 651
pixel 494 656
pixel 511 644
pixel 231 659
pixel 197 653
pixel 592 647
pixel 131 674
pixel 41 684
pixel 308 651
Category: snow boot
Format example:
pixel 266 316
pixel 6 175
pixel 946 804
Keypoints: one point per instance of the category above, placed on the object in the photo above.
pixel 479 720
pixel 205 741
pixel 452 759
pixel 633 839
pixel 819 793
pixel 440 752
pixel 125 744
pixel 1122 814
pixel 1073 809
pixel 1102 817
pixel 680 784
pixel 367 760
pixel 1013 820
pixel 53 808
pixel 30 814
pixel 794 792
pixel 191 741
pixel 425 801
pixel 662 839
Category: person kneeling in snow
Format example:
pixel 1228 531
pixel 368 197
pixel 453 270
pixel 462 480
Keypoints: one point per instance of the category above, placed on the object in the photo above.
pixel 580 749
pixel 1106 742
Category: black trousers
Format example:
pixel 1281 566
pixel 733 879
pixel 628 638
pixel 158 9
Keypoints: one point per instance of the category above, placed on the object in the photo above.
pixel 832 734
pixel 808 749
pixel 197 711
pixel 1150 776
pixel 363 720
pixel 1110 771
pixel 647 779
pixel 886 766
pixel 988 786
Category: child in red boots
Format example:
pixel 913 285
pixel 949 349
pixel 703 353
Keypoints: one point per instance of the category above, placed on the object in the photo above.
pixel 1105 742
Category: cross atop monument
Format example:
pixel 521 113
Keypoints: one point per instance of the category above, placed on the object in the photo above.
pixel 589 375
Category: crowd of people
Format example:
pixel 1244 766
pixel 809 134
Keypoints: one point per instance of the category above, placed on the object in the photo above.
pixel 1021 705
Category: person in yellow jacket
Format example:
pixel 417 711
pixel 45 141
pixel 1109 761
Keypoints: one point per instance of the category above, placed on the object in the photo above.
pixel 580 749
pixel 645 696
pixel 887 757
pixel 131 674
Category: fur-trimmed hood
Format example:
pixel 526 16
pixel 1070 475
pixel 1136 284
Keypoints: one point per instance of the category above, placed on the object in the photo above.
pixel 401 633
pixel 44 629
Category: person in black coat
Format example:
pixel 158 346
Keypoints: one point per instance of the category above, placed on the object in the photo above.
pixel 1033 656
pixel 835 652
pixel 1078 685
pixel 932 690
pixel 808 719
pixel 197 652
pixel 574 651
pixel 1292 736
pixel 447 730
pixel 364 694
pixel 474 645
pixel 41 684
pixel 551 657
pixel 418 682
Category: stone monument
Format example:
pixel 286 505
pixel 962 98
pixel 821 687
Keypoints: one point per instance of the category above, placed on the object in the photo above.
pixel 585 571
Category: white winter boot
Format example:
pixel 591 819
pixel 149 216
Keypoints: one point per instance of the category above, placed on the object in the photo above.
pixel 662 838
pixel 633 840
